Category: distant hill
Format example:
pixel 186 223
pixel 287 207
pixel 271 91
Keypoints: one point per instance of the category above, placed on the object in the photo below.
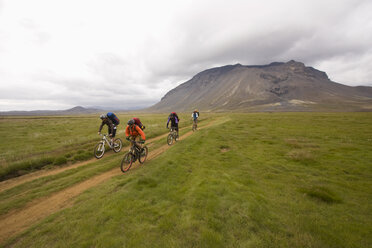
pixel 73 111
pixel 290 86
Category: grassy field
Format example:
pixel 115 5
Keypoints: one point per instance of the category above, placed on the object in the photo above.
pixel 32 143
pixel 247 180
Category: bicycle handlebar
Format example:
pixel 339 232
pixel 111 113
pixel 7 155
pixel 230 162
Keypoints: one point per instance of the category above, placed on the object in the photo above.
pixel 133 141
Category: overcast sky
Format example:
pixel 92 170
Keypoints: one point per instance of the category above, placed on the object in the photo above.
pixel 57 54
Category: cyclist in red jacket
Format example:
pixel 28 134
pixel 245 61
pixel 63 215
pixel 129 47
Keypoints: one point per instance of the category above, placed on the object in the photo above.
pixel 135 133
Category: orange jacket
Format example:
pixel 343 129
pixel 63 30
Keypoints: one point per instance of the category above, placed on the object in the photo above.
pixel 134 132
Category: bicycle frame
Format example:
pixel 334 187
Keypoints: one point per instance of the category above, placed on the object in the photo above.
pixel 173 131
pixel 135 150
pixel 194 124
pixel 104 139
pixel 133 146
pixel 135 153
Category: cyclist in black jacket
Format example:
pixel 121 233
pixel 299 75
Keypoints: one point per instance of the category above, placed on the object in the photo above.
pixel 173 118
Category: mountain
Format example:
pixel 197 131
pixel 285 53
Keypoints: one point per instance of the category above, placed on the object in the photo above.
pixel 290 86
pixel 73 111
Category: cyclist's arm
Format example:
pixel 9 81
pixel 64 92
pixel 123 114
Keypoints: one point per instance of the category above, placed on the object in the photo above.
pixel 100 128
pixel 168 121
pixel 141 133
pixel 127 131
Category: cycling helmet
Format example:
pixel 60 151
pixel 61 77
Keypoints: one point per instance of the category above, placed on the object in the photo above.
pixel 103 116
pixel 131 122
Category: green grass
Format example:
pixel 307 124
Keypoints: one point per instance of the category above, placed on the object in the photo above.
pixel 20 195
pixel 249 180
pixel 32 143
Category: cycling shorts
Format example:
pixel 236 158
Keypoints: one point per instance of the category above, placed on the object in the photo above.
pixel 113 132
pixel 175 126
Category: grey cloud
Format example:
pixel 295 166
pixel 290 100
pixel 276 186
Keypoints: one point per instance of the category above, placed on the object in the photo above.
pixel 306 39
pixel 333 36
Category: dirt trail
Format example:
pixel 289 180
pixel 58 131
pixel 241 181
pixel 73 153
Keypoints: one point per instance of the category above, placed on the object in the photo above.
pixel 10 183
pixel 17 221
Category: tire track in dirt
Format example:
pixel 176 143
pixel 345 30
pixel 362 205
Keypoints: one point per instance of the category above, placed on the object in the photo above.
pixel 17 221
pixel 13 182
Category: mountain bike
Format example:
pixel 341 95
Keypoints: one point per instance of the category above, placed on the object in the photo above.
pixel 172 136
pixel 195 125
pixel 133 154
pixel 100 149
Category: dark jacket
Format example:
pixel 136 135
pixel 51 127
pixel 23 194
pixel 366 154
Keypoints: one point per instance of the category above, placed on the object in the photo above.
pixel 107 122
pixel 174 120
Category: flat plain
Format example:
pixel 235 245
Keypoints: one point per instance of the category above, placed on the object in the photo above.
pixel 242 180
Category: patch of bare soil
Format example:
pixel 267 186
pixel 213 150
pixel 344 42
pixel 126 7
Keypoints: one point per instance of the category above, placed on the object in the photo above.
pixel 17 221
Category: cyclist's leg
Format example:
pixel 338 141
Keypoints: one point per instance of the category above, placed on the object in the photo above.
pixel 110 133
pixel 113 135
pixel 137 139
pixel 132 138
pixel 176 128
pixel 195 123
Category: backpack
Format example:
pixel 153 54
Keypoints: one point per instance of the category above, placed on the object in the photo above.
pixel 174 114
pixel 113 118
pixel 138 123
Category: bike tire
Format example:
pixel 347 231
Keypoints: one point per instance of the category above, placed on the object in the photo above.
pixel 126 162
pixel 99 150
pixel 142 157
pixel 170 139
pixel 117 145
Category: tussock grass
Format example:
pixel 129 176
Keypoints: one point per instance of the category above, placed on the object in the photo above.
pixel 302 155
pixel 322 193
pixel 60 160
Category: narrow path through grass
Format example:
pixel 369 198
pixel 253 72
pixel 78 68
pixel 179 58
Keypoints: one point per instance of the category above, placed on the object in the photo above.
pixel 13 182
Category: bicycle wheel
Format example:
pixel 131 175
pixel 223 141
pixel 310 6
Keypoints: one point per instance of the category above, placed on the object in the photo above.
pixel 142 157
pixel 127 162
pixel 170 139
pixel 99 150
pixel 117 145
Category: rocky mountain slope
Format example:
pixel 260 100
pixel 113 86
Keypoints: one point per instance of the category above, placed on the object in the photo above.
pixel 290 86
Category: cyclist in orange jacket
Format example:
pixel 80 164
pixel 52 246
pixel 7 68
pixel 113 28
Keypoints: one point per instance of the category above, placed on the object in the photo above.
pixel 135 133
